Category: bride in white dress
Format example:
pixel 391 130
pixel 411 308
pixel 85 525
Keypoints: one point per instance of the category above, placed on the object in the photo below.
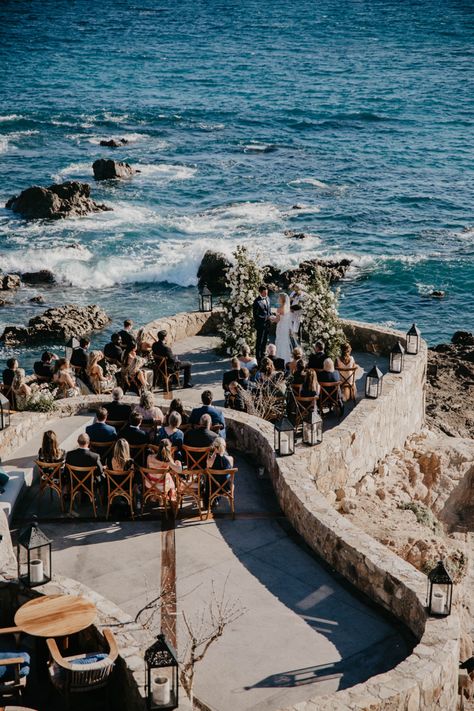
pixel 283 321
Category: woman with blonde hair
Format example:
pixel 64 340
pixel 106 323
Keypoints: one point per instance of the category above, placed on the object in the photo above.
pixel 163 461
pixel 283 320
pixel 297 355
pixel 121 459
pixel 147 408
pixel 62 376
pixel 20 389
pixel 97 378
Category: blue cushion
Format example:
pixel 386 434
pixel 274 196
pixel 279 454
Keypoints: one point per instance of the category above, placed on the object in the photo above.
pixel 8 673
pixel 88 659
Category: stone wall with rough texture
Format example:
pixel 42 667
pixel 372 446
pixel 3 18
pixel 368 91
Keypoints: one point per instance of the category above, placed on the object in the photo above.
pixel 182 325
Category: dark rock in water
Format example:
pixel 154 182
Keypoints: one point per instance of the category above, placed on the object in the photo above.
pixel 114 143
pixel 37 299
pixel 9 282
pixel 111 169
pixel 57 201
pixel 450 386
pixel 3 302
pixel 333 270
pixel 58 323
pixel 294 235
pixel 44 276
pixel 212 272
pixel 297 207
pixel 437 294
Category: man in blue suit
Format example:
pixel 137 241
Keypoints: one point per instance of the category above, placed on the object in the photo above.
pixel 207 409
pixel 261 316
pixel 100 431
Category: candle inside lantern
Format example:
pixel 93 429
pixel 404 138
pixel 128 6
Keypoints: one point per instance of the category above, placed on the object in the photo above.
pixel 36 571
pixel 284 445
pixel 373 389
pixel 161 691
pixel 438 603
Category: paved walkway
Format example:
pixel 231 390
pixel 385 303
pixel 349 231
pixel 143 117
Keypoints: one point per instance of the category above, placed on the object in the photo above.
pixel 303 632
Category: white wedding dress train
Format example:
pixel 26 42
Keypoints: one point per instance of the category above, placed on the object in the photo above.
pixel 283 334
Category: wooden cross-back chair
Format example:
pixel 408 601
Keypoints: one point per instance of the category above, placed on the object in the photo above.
pixel 119 484
pixel 220 483
pixel 190 483
pixel 103 449
pixel 164 375
pixel 154 487
pixel 196 457
pixel 348 381
pixel 82 481
pixel 296 387
pixel 118 424
pixel 330 398
pixel 155 448
pixel 50 478
pixel 304 408
pixel 137 452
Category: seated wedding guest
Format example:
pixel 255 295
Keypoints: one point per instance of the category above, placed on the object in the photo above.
pixel 99 382
pixel 235 398
pixel 244 380
pixel 118 410
pixel 329 374
pixel 317 358
pixel 245 359
pixel 64 379
pixel 20 389
pixel 161 350
pixel 345 360
pixel 100 431
pixel 50 450
pixel 271 354
pixel 44 368
pixel 9 372
pixel 202 436
pixel 132 373
pixel 83 457
pixel 163 460
pixel 266 371
pixel 121 459
pixel 80 356
pixel 207 408
pixel 132 432
pixel 299 372
pixel 147 408
pixel 171 431
pixel 113 350
pixel 127 336
pixel 297 354
pixel 310 386
pixel 176 405
pixel 218 459
pixel 233 374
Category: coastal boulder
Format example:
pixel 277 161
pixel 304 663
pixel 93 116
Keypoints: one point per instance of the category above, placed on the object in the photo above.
pixel 55 202
pixel 44 276
pixel 9 282
pixel 333 270
pixel 111 169
pixel 212 272
pixel 113 142
pixel 58 324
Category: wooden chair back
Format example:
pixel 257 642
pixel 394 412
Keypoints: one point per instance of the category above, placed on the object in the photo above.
pixel 348 381
pixel 220 483
pixel 190 483
pixel 119 484
pixel 103 449
pixel 196 457
pixel 161 373
pixel 304 408
pixel 137 452
pixel 154 486
pixel 155 448
pixel 148 426
pixel 296 387
pixel 118 424
pixel 50 478
pixel 329 397
pixel 82 481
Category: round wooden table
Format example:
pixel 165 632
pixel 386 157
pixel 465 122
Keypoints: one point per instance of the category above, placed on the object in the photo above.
pixel 55 615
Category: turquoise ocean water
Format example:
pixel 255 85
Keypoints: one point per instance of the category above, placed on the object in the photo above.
pixel 235 111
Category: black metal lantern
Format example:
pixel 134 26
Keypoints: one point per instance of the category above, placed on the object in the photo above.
pixel 440 591
pixel 205 299
pixel 71 345
pixel 413 340
pixel 373 383
pixel 284 437
pixel 162 687
pixel 4 412
pixel 397 356
pixel 33 556
pixel 313 429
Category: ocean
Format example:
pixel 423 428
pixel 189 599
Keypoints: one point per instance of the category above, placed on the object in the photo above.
pixel 362 112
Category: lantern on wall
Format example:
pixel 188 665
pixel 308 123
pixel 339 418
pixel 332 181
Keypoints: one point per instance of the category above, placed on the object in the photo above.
pixel 397 356
pixel 162 687
pixel 413 340
pixel 373 383
pixel 313 429
pixel 33 556
pixel 71 345
pixel 205 299
pixel 440 591
pixel 4 412
pixel 284 437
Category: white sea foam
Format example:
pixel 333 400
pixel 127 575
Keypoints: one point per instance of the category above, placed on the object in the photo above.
pixel 165 172
pixel 114 118
pixel 316 183
pixel 57 258
pixel 4 143
pixel 259 148
pixel 11 117
pixel 74 169
pixel 226 219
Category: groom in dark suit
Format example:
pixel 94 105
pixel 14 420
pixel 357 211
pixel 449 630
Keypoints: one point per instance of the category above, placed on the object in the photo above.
pixel 261 317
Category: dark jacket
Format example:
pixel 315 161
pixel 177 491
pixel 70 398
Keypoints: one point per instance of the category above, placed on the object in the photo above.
pixel 79 358
pixel 326 377
pixel 237 402
pixel 128 339
pixel 118 411
pixel 8 375
pixel 261 311
pixel 134 435
pixel 113 352
pixel 101 432
pixel 316 360
pixel 84 458
pixel 229 376
pixel 199 438
pixel 160 350
pixel 216 416
pixel 43 370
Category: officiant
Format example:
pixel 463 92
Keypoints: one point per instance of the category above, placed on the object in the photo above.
pixel 297 297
